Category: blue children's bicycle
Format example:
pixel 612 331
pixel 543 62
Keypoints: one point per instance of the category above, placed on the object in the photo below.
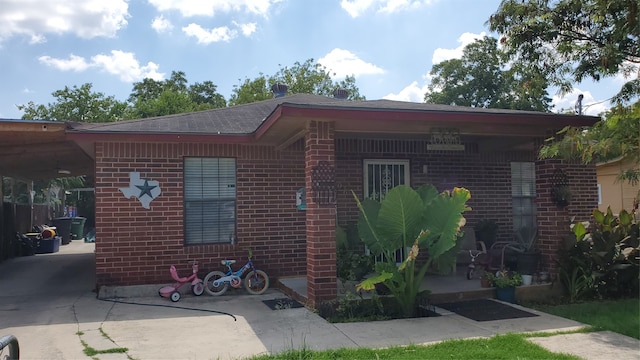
pixel 256 281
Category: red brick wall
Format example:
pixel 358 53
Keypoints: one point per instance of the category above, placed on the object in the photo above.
pixel 554 221
pixel 320 215
pixel 486 175
pixel 136 246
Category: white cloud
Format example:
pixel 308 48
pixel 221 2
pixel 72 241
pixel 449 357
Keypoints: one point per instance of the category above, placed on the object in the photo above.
pixel 37 39
pixel 160 24
pixel 356 8
pixel 413 93
pixel 120 63
pixel 590 106
pixel 73 63
pixel 190 8
pixel 246 29
pixel 440 54
pixel 628 71
pixel 207 36
pixel 85 19
pixel 27 91
pixel 126 67
pixel 342 63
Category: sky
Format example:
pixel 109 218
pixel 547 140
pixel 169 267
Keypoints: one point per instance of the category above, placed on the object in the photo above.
pixel 389 46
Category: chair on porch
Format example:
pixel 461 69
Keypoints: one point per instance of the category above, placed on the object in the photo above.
pixel 523 241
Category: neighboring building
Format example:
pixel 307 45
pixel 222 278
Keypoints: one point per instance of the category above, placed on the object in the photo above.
pixel 615 193
pixel 209 185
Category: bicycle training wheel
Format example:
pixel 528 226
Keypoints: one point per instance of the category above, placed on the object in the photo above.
pixel 198 288
pixel 210 288
pixel 9 347
pixel 256 282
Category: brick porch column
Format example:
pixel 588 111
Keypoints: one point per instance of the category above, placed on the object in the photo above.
pixel 553 221
pixel 320 218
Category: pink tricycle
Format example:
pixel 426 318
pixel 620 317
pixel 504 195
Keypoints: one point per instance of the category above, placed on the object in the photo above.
pixel 171 291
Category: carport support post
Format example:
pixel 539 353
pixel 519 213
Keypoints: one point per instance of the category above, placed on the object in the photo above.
pixel 320 218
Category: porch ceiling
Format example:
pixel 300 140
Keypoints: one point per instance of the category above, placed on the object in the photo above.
pixel 37 150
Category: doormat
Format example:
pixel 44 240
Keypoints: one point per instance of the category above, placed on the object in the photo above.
pixel 485 310
pixel 282 304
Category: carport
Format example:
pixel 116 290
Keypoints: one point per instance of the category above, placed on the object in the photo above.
pixel 33 150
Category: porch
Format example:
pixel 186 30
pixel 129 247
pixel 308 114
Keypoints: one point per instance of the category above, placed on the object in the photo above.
pixel 444 288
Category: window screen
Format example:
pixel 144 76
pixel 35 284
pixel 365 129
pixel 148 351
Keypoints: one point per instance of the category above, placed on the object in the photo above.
pixel 209 200
pixel 523 192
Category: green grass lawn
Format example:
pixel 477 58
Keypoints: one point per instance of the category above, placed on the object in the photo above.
pixel 497 347
pixel 621 316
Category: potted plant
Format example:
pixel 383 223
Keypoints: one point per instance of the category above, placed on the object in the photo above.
pixel 485 281
pixel 505 283
pixel 486 231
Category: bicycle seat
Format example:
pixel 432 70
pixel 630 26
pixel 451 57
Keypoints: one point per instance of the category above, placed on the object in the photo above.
pixel 227 262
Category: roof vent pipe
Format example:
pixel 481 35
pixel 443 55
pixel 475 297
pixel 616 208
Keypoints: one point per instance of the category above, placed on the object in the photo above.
pixel 578 106
pixel 279 90
pixel 340 94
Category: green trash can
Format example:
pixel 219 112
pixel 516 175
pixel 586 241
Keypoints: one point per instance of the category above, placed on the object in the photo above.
pixel 77 227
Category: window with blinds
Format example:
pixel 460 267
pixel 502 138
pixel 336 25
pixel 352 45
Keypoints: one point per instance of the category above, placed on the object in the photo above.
pixel 209 200
pixel 523 192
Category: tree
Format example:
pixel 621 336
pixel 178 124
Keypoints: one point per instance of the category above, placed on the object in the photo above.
pixel 305 78
pixel 151 97
pixel 479 79
pixel 77 104
pixel 570 40
pixel 250 91
pixel 618 135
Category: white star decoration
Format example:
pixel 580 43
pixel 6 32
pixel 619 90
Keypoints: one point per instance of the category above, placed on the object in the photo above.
pixel 142 189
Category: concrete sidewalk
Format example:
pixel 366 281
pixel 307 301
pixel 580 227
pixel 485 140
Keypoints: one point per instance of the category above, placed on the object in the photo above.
pixel 154 328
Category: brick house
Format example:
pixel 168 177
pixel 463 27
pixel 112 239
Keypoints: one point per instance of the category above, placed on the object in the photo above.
pixel 208 185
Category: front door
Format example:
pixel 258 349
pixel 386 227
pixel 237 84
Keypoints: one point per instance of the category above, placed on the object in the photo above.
pixel 380 176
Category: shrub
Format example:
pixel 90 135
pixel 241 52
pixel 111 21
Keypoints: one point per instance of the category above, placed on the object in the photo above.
pixel 602 260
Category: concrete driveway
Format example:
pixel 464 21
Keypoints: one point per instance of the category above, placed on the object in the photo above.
pixel 47 302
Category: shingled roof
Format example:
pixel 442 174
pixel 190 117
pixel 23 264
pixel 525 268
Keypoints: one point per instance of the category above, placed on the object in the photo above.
pixel 236 120
pixel 245 119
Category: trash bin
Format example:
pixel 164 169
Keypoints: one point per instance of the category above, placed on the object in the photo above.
pixel 77 227
pixel 63 228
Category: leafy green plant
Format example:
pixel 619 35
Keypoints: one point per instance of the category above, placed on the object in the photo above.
pixel 605 255
pixel 351 261
pixel 421 219
pixel 505 279
pixel 577 283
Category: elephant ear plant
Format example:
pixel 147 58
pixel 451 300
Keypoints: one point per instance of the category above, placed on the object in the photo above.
pixel 421 219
